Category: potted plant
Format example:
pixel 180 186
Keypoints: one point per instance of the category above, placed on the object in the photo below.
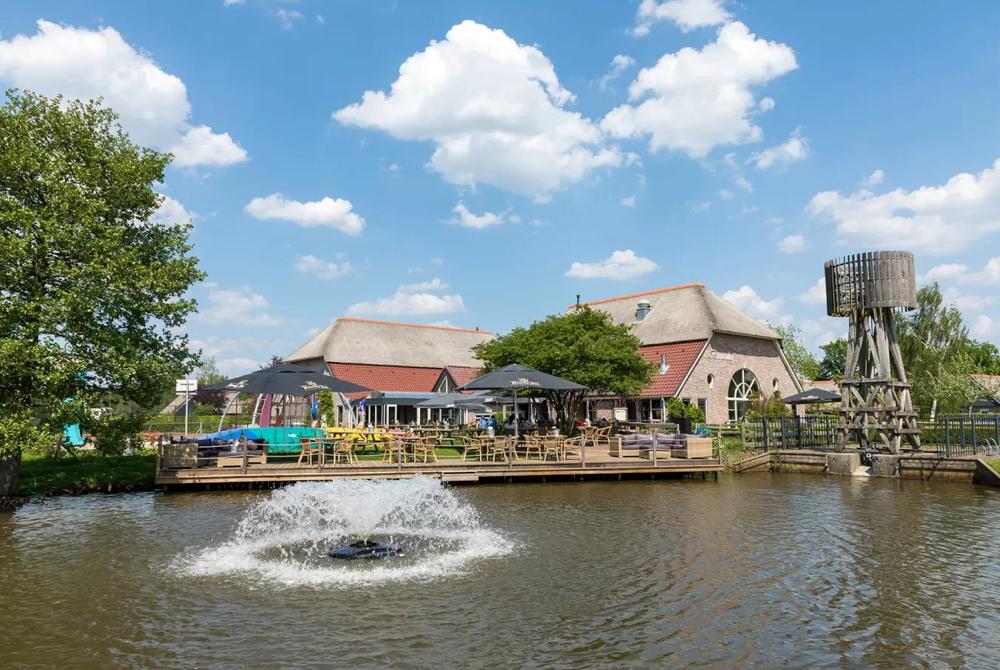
pixel 677 411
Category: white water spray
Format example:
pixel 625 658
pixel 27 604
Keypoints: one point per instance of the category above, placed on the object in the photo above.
pixel 284 538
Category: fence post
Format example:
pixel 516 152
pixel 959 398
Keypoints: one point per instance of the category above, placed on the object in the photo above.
pixel 974 444
pixel 947 437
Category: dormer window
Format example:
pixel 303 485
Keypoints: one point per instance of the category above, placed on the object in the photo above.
pixel 663 364
pixel 642 309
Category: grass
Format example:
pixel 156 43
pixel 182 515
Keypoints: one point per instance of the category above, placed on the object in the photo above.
pixel 995 464
pixel 85 473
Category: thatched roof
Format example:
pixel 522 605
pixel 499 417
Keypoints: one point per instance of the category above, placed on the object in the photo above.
pixel 681 314
pixel 354 340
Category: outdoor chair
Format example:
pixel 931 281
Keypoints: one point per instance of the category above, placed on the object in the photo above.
pixel 310 447
pixel 533 444
pixel 602 435
pixel 550 448
pixel 470 447
pixel 494 448
pixel 395 451
pixel 572 446
pixel 340 449
pixel 425 447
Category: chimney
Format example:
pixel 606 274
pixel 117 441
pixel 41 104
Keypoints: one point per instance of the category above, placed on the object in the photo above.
pixel 578 301
pixel 642 309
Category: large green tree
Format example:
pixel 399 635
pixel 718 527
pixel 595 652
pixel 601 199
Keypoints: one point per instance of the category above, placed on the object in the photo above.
pixel 802 361
pixel 834 359
pixel 93 290
pixel 935 346
pixel 584 346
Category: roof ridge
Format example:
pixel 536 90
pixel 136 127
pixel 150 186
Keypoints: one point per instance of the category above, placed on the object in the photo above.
pixel 389 365
pixel 412 325
pixel 665 289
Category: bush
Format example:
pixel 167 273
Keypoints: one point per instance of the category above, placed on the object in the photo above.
pixel 116 433
pixel 20 433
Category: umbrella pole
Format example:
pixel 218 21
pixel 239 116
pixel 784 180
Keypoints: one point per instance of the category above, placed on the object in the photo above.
pixel 229 404
pixel 256 407
pixel 510 456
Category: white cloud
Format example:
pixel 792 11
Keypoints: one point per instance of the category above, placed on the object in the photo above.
pixel 726 194
pixel 701 206
pixel 930 219
pixel 945 272
pixel 240 365
pixel 687 14
pixel 419 287
pixel 619 64
pixel 240 354
pixel 229 3
pixel 694 100
pixel 463 217
pixel 171 212
pixel 743 183
pixel 747 299
pixel 413 299
pixel 495 111
pixel 815 294
pixel 288 17
pixel 989 275
pixel 328 212
pixel 792 244
pixel 874 179
pixel 794 150
pixel 965 301
pixel 817 332
pixel 983 327
pixel 619 265
pixel 86 64
pixel 323 269
pixel 235 307
pixel 437 261
pixel 628 201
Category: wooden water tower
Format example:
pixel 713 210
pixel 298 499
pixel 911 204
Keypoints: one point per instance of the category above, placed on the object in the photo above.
pixel 871 289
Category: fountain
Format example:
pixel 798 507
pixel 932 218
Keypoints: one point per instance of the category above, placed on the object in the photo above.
pixel 287 537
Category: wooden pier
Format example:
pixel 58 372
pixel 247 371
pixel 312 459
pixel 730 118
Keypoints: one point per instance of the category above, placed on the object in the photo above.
pixel 598 464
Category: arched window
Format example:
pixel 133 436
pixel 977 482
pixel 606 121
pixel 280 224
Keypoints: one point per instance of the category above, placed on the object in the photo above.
pixel 742 386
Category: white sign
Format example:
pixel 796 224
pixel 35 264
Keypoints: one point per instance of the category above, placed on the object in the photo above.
pixel 720 356
pixel 187 385
pixel 621 414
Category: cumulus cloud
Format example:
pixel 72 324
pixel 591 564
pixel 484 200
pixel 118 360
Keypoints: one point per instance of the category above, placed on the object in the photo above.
pixel 201 146
pixel 792 244
pixel 687 14
pixel 930 219
pixel 323 269
pixel 619 265
pixel 463 217
pixel 494 110
pixel 627 201
pixel 694 100
pixel 328 212
pixel 413 299
pixel 794 150
pixel 815 294
pixel 171 212
pixel 79 63
pixel 983 327
pixel 235 307
pixel 747 299
pixel 874 179
pixel 619 64
pixel 967 302
pixel 945 272
pixel 288 17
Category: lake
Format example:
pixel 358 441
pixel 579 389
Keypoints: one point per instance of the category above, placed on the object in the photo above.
pixel 754 570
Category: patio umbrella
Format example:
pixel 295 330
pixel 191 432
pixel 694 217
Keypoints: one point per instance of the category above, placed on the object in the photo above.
pixel 286 379
pixel 812 396
pixel 516 378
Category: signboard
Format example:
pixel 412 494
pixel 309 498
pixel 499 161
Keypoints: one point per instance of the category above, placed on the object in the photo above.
pixel 621 414
pixel 187 385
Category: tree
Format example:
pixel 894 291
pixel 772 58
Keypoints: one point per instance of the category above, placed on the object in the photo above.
pixel 934 344
pixel 584 346
pixel 984 356
pixel 215 401
pixel 834 359
pixel 93 290
pixel 802 361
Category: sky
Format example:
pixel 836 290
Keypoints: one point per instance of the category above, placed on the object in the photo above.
pixel 480 164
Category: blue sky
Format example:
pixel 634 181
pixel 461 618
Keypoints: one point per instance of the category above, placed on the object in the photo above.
pixel 536 151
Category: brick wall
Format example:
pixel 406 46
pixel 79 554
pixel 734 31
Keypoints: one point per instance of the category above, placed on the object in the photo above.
pixel 724 356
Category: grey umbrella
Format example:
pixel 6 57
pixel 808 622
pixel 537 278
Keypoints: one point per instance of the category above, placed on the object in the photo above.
pixel 288 379
pixel 519 378
pixel 811 396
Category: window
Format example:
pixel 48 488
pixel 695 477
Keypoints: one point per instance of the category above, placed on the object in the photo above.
pixel 742 386
pixel 711 381
pixel 774 384
pixel 651 410
pixel 703 406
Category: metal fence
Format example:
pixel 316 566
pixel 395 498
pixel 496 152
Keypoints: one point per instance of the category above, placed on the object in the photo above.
pixel 966 435
pixel 795 432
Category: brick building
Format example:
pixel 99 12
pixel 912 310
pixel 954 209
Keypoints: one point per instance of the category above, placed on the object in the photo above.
pixel 707 351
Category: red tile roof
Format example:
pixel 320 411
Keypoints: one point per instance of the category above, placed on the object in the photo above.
pixel 461 374
pixel 385 377
pixel 680 358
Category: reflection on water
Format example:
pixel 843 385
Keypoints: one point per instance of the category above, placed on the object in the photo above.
pixel 757 570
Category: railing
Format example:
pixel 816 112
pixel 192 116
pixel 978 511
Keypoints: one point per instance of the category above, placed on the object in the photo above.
pixel 796 432
pixel 965 435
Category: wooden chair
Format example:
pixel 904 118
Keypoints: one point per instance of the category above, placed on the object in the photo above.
pixel 602 435
pixel 395 450
pixel 425 447
pixel 533 445
pixel 572 446
pixel 471 446
pixel 340 449
pixel 494 448
pixel 310 447
pixel 552 447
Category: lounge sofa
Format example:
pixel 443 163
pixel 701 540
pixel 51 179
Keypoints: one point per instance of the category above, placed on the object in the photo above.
pixel 675 446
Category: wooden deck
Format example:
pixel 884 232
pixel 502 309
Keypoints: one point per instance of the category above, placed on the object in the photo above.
pixel 599 464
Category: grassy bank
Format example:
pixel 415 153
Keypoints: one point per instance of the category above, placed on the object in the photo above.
pixel 85 473
pixel 995 464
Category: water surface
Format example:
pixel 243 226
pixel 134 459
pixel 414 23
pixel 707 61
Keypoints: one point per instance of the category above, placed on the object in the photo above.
pixel 756 570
